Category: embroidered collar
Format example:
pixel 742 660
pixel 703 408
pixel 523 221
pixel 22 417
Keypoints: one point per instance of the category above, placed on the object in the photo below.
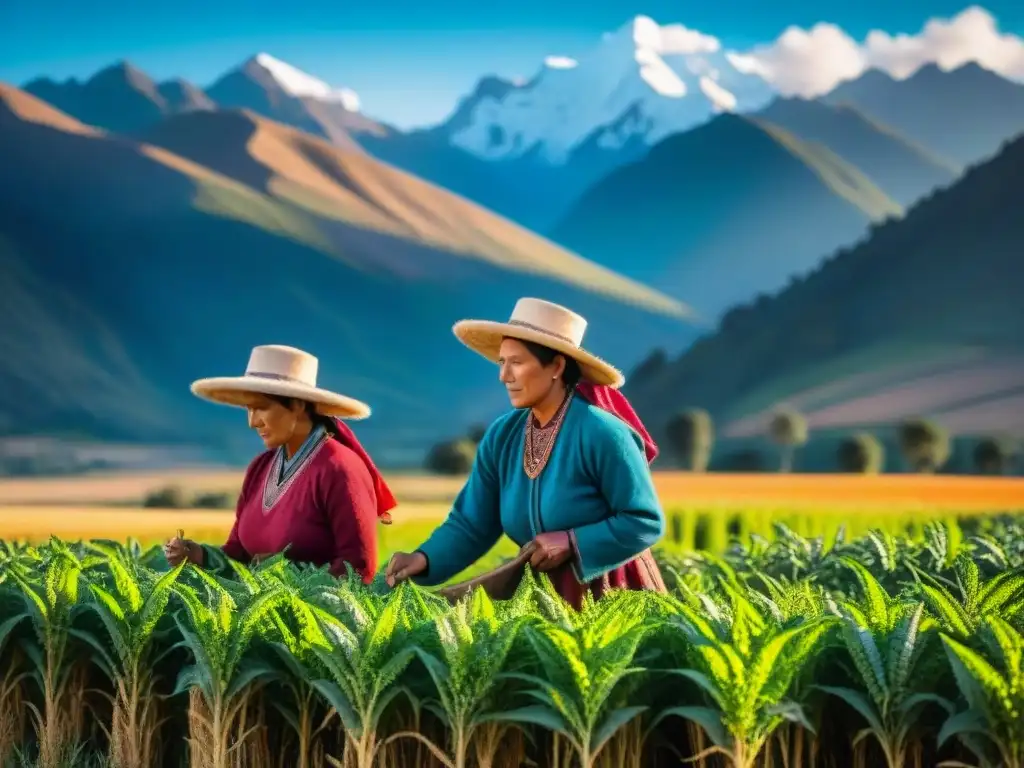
pixel 540 441
pixel 283 472
pixel 289 465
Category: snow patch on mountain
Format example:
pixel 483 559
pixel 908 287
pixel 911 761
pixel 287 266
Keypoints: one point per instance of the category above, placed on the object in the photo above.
pixel 721 100
pixel 643 80
pixel 297 83
pixel 560 62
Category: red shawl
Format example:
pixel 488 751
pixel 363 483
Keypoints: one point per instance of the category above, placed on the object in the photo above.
pixel 385 499
pixel 613 401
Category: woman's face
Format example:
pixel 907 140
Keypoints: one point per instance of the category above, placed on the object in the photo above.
pixel 526 380
pixel 274 423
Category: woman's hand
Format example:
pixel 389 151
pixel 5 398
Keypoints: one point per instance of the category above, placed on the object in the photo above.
pixel 179 549
pixel 552 549
pixel 404 565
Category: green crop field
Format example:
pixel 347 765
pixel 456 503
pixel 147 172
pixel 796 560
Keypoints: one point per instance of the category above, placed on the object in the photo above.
pixel 707 527
pixel 883 650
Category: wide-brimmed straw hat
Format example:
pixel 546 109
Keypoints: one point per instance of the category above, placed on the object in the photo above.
pixel 545 323
pixel 284 371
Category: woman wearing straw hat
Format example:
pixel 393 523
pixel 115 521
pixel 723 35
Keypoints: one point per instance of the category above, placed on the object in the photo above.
pixel 566 471
pixel 314 490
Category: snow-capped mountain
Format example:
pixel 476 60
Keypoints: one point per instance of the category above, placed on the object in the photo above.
pixel 282 92
pixel 642 81
pixel 297 83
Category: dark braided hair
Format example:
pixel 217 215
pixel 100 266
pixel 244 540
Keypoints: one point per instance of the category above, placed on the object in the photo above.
pixel 315 416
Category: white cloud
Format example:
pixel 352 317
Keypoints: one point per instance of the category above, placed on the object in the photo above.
pixel 811 62
pixel 804 62
pixel 667 40
pixel 971 36
pixel 677 39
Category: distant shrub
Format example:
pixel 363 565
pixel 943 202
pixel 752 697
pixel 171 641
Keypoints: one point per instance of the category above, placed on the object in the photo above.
pixel 925 445
pixel 993 456
pixel 168 497
pixel 691 436
pixel 788 429
pixel 214 500
pixel 452 457
pixel 861 453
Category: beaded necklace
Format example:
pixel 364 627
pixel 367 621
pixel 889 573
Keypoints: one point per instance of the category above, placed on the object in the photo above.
pixel 540 441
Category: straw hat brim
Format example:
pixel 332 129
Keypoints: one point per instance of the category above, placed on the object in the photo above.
pixel 484 337
pixel 240 391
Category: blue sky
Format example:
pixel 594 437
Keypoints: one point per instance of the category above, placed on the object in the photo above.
pixel 409 61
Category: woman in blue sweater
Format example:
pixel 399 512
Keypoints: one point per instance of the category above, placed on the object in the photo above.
pixel 567 469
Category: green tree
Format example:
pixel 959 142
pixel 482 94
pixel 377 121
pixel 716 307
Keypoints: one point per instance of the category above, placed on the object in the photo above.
pixel 452 457
pixel 691 435
pixel 993 456
pixel 861 453
pixel 168 497
pixel 214 500
pixel 925 445
pixel 788 429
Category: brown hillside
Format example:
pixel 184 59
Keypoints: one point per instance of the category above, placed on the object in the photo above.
pixel 253 87
pixel 239 166
pixel 33 110
pixel 183 268
pixel 242 154
pixel 56 147
pixel 356 189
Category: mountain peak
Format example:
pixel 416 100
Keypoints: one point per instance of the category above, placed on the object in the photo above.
pixel 181 95
pixel 970 71
pixel 295 82
pixel 640 28
pixel 122 71
pixel 494 87
pixel 644 33
pixel 669 78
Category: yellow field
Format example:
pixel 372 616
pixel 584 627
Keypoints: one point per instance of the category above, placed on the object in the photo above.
pixel 937 492
pixel 130 487
pixel 107 506
pixel 40 521
pixel 945 491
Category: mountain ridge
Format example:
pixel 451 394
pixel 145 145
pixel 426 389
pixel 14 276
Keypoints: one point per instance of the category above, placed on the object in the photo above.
pixel 898 165
pixel 312 164
pixel 860 349
pixel 224 254
pixel 529 187
pixel 720 235
pixel 120 97
pixel 963 114
pixel 677 81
